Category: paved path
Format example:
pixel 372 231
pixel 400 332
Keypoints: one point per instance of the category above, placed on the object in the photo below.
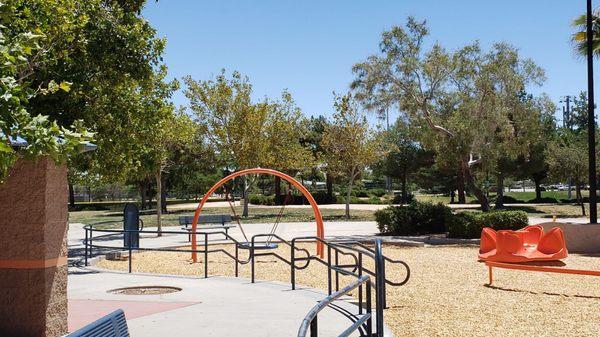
pixel 217 306
pixel 287 230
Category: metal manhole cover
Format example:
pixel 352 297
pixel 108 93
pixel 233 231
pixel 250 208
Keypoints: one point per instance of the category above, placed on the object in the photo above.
pixel 145 290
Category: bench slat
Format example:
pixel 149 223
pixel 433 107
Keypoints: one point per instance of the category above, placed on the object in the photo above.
pixel 111 325
pixel 206 219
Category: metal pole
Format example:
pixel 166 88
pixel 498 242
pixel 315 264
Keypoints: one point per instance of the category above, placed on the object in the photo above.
pixel 314 330
pixel 86 246
pixel 591 119
pixel 236 260
pixel 293 265
pixel 130 250
pixel 329 270
pixel 337 274
pixel 205 255
pixel 360 288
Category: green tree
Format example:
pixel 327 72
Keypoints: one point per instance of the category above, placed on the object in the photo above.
pixel 579 38
pixel 466 98
pixel 37 134
pixel 108 53
pixel 247 134
pixel 567 159
pixel 349 144
pixel 404 157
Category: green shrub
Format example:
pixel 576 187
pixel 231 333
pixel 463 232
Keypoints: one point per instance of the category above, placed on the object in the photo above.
pixel 507 199
pixel 259 199
pixel 414 218
pixel 398 199
pixel 544 200
pixel 360 193
pixel 378 192
pixel 468 225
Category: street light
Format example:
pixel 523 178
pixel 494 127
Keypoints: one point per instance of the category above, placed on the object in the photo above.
pixel 591 119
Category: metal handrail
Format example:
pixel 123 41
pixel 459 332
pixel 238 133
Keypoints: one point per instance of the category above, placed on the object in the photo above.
pixel 309 323
pixel 353 249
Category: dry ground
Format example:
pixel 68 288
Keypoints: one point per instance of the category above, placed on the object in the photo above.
pixel 446 295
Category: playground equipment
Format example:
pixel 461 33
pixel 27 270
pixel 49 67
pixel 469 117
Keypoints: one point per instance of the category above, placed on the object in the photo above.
pixel 511 249
pixel 268 244
pixel 524 245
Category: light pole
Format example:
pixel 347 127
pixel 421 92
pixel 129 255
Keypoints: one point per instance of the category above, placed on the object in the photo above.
pixel 591 119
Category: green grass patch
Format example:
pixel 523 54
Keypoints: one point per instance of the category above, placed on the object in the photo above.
pixel 257 215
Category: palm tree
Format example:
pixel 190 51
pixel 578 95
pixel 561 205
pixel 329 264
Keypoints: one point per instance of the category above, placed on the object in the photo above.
pixel 579 39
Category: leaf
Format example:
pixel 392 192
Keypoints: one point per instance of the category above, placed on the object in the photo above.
pixel 65 86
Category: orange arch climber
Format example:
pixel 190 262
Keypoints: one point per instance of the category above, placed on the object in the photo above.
pixel 298 185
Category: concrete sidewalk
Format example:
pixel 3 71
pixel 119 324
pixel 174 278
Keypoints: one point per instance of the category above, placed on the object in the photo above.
pixel 217 306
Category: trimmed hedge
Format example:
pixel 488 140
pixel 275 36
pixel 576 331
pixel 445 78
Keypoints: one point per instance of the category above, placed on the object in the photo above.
pixel 414 218
pixel 259 199
pixel 469 224
pixel 427 218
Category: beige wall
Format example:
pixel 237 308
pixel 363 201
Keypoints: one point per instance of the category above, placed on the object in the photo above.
pixel 33 225
pixel 580 238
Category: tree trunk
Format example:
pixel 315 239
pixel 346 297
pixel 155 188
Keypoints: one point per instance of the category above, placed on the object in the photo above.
pixel 89 191
pixel 500 191
pixel 163 194
pixel 460 186
pixel 404 198
pixel 71 196
pixel 246 197
pixel 538 188
pixel 349 193
pixel 158 202
pixel 329 186
pixel 277 189
pixel 479 194
pixel 579 198
pixel 452 194
pixel 143 192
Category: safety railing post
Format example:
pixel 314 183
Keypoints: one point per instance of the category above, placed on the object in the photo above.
pixel 328 269
pixel 314 329
pixel 360 288
pixel 383 284
pixel 130 257
pixel 369 304
pixel 237 258
pixel 205 255
pixel 379 289
pixel 337 273
pixel 91 242
pixel 293 265
pixel 85 246
pixel 251 251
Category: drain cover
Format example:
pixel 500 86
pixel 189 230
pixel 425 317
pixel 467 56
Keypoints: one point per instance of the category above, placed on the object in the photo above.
pixel 145 290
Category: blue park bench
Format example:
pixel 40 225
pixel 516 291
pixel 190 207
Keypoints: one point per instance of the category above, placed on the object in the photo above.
pixel 111 325
pixel 211 221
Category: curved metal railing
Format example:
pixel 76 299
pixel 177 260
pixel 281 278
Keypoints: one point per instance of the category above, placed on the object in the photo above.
pixel 354 250
pixel 364 320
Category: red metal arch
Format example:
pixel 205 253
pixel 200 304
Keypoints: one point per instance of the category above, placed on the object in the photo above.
pixel 298 185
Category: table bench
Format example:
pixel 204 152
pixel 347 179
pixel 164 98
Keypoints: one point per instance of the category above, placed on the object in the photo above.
pixel 211 221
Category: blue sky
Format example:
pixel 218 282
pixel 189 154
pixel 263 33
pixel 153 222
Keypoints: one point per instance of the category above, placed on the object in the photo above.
pixel 309 47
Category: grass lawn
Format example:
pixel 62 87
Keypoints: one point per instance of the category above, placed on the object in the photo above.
pixel 257 214
pixel 269 214
pixel 446 295
pixel 519 195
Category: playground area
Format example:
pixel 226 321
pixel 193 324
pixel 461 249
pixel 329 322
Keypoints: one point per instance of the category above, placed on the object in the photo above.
pixel 446 295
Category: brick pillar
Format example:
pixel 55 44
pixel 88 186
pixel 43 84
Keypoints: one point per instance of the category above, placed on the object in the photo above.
pixel 33 250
